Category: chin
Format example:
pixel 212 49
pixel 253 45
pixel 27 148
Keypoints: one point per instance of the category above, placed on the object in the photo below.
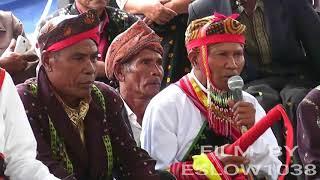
pixel 83 93
pixel 152 93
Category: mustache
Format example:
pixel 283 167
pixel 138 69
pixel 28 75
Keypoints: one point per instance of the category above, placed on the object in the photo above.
pixel 154 81
pixel 87 79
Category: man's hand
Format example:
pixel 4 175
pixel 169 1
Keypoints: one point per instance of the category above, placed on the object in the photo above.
pixel 11 61
pixel 230 160
pixel 244 113
pixel 157 12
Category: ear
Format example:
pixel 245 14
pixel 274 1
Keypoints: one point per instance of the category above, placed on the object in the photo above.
pixel 45 58
pixel 119 73
pixel 194 58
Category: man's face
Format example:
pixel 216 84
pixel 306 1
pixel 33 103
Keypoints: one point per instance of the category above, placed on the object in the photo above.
pixel 225 60
pixel 143 73
pixel 93 4
pixel 71 71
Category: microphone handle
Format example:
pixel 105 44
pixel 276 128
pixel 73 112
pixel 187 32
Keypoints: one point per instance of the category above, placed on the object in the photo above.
pixel 237 96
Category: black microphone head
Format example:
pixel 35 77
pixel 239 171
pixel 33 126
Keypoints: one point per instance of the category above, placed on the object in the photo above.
pixel 235 82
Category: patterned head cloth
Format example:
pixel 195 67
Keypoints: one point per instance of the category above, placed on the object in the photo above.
pixel 212 30
pixel 136 38
pixel 63 31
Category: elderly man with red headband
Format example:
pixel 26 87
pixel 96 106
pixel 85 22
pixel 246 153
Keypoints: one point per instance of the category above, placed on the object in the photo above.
pixel 78 122
pixel 199 111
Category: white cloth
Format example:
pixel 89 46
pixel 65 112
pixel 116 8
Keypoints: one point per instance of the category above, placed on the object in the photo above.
pixel 135 126
pixel 171 122
pixel 121 3
pixel 17 141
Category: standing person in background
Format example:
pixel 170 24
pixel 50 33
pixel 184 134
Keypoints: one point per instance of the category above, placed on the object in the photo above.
pixel 18 147
pixel 14 63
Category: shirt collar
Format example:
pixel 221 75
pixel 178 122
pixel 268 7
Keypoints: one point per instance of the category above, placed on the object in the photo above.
pixel 192 75
pixel 129 111
pixel 131 116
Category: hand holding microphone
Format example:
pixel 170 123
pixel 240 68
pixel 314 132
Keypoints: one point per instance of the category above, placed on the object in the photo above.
pixel 244 112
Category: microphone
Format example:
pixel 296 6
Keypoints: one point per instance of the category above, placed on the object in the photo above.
pixel 235 84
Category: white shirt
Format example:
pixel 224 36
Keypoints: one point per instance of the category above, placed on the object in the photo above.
pixel 171 123
pixel 121 3
pixel 135 126
pixel 17 141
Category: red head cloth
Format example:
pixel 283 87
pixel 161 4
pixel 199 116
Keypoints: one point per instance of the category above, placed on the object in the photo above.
pixel 63 31
pixel 136 38
pixel 257 130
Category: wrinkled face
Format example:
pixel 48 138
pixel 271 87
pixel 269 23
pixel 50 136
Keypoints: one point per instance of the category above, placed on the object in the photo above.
pixel 93 4
pixel 143 73
pixel 71 71
pixel 225 60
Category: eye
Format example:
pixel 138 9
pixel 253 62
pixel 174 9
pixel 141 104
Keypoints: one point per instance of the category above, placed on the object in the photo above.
pixel 159 62
pixel 94 58
pixel 222 54
pixel 146 62
pixel 78 58
pixel 238 54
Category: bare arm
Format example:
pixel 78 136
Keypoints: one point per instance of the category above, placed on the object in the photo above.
pixel 179 6
pixel 152 9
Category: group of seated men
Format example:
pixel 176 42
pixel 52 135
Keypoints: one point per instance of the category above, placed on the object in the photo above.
pixel 85 129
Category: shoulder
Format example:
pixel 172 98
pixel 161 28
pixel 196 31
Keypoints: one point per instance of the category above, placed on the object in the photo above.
pixel 62 11
pixel 7 18
pixel 28 89
pixel 171 96
pixel 6 83
pixel 5 14
pixel 110 95
pixel 249 98
pixel 2 76
pixel 312 98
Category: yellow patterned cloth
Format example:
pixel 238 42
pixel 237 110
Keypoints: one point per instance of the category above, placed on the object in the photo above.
pixel 77 116
pixel 203 164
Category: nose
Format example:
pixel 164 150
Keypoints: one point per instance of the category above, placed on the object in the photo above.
pixel 232 63
pixel 157 70
pixel 90 67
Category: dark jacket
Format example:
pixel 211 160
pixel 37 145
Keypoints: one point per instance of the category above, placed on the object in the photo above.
pixel 109 150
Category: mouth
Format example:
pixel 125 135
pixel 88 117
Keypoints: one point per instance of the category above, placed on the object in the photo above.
pixel 228 76
pixel 154 83
pixel 86 83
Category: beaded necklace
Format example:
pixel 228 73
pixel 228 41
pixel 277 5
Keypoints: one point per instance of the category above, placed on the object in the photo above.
pixel 220 115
